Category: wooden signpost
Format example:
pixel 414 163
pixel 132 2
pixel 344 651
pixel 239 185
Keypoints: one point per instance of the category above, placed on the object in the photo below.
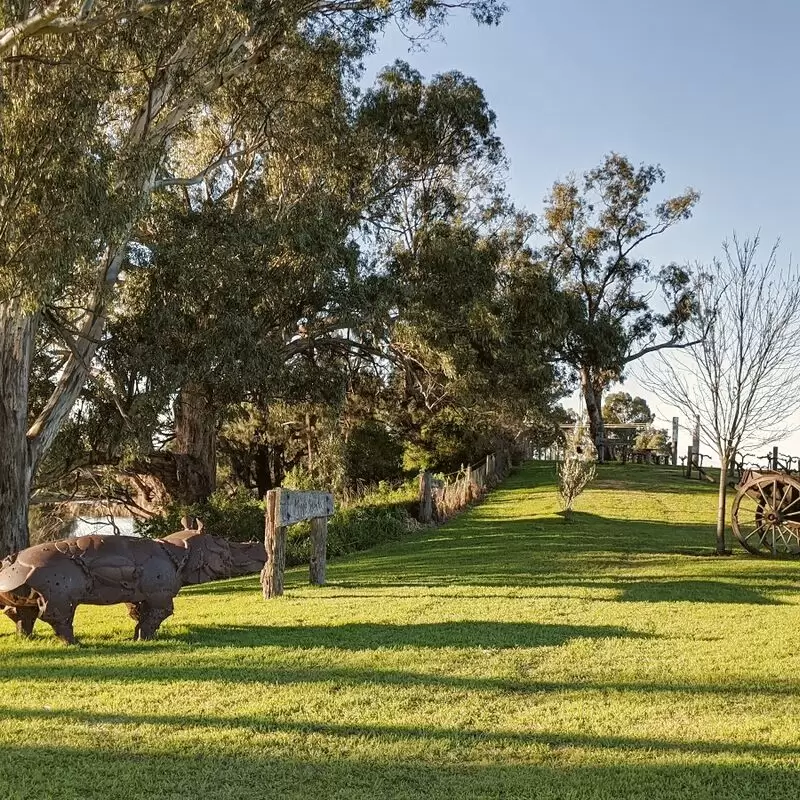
pixel 285 507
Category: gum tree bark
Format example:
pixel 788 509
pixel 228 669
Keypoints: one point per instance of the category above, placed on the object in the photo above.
pixel 593 408
pixel 17 335
pixel 196 436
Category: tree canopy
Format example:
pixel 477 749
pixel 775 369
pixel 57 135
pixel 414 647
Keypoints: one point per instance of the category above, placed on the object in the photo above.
pixel 160 99
pixel 594 229
pixel 619 408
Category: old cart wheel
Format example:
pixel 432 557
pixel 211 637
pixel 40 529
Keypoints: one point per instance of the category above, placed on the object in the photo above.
pixel 766 515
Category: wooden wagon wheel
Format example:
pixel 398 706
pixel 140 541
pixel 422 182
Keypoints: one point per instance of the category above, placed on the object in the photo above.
pixel 766 515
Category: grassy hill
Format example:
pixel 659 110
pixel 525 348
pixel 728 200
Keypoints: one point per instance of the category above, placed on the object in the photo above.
pixel 507 654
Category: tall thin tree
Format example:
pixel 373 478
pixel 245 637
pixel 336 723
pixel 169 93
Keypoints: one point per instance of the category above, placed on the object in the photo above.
pixel 743 379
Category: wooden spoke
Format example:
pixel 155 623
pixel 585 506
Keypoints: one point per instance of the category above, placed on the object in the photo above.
pixel 760 511
pixel 793 503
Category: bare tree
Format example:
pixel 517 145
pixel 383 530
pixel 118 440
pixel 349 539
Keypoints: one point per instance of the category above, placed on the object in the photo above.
pixel 743 379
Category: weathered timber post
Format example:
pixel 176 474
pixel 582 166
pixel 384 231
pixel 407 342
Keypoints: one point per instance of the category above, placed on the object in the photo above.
pixel 468 485
pixel 674 441
pixel 284 508
pixel 319 547
pixel 775 458
pixel 696 436
pixel 689 462
pixel 425 498
pixel 275 545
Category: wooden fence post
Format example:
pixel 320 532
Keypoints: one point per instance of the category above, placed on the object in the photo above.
pixel 674 441
pixel 425 498
pixel 775 458
pixel 275 545
pixel 319 545
pixel 689 462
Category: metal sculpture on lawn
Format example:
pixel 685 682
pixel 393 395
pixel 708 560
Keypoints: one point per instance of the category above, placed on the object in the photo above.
pixel 49 580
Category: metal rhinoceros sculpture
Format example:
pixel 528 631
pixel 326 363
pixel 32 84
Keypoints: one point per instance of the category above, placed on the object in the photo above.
pixel 49 580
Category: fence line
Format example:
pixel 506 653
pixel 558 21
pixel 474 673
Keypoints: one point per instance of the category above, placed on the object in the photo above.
pixel 442 498
pixel 555 452
pixel 775 461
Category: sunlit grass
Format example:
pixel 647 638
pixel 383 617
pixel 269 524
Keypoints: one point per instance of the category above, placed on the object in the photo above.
pixel 507 654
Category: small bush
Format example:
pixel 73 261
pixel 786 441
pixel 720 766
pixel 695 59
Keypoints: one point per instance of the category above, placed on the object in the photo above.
pixel 416 458
pixel 238 517
pixel 577 469
pixel 351 530
pixel 380 515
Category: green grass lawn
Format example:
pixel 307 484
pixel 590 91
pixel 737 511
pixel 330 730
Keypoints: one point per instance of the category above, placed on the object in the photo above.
pixel 507 654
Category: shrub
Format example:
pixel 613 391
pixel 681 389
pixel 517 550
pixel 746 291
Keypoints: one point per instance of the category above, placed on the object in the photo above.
pixel 577 469
pixel 416 458
pixel 380 515
pixel 238 517
pixel 373 454
pixel 653 439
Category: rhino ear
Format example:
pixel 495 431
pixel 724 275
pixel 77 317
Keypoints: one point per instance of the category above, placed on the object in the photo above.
pixel 199 524
pixel 191 523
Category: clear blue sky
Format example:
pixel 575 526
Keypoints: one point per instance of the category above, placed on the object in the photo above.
pixel 706 88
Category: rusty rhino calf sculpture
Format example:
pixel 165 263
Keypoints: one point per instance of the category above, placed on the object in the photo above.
pixel 49 580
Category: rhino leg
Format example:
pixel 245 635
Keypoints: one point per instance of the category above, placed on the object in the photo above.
pixel 149 617
pixel 24 617
pixel 133 613
pixel 59 613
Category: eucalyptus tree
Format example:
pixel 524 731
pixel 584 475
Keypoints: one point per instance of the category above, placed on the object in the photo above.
pixel 125 79
pixel 243 266
pixel 621 408
pixel 437 230
pixel 594 229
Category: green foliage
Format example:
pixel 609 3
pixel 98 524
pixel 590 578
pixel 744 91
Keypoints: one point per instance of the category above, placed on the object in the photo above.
pixel 378 515
pixel 594 227
pixel 416 458
pixel 238 517
pixel 373 454
pixel 654 439
pixel 620 408
pixel 198 220
pixel 578 468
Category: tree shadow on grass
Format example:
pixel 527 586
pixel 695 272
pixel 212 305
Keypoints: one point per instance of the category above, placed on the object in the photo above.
pixel 99 773
pixel 372 636
pixel 264 723
pixel 695 591
pixel 130 665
